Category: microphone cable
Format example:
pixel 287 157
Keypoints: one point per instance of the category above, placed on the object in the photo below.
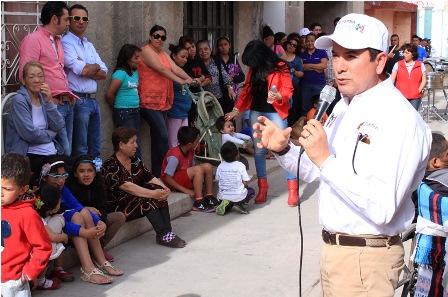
pixel 300 226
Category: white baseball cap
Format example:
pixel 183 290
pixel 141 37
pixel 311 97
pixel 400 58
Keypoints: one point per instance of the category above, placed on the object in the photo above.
pixel 357 31
pixel 304 31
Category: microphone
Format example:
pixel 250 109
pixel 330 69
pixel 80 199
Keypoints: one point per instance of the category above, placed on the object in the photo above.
pixel 327 96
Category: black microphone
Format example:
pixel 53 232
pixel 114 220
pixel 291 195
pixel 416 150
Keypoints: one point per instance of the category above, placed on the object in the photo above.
pixel 326 98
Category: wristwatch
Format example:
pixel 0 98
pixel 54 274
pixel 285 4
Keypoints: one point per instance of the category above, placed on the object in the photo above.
pixel 194 81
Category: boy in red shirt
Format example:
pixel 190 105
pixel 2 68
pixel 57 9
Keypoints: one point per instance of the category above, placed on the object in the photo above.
pixel 26 246
pixel 179 172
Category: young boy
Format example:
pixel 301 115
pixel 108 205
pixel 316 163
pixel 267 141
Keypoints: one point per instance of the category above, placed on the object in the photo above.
pixel 26 246
pixel 179 172
pixel 227 130
pixel 232 177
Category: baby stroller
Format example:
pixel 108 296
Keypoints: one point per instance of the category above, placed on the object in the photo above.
pixel 209 110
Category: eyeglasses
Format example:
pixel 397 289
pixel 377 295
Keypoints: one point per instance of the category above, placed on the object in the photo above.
pixel 293 44
pixel 58 176
pixel 157 36
pixel 77 18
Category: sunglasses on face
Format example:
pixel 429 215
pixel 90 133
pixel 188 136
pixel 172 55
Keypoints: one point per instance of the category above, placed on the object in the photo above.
pixel 58 176
pixel 77 18
pixel 292 44
pixel 157 36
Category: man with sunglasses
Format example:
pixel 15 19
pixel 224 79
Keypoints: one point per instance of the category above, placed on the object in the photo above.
pixel 44 46
pixel 84 67
pixel 368 160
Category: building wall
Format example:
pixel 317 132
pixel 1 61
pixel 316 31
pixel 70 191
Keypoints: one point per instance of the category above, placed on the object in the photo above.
pixel 294 16
pixel 114 23
pixel 274 14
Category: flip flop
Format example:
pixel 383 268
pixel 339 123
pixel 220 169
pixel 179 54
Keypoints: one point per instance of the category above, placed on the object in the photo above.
pixel 107 264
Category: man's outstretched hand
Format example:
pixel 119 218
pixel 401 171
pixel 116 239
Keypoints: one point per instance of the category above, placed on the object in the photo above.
pixel 271 136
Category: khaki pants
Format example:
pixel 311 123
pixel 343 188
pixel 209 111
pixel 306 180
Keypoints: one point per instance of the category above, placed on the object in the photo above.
pixel 347 271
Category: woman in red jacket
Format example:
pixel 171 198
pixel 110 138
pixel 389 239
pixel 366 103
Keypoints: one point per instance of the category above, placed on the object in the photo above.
pixel 409 75
pixel 266 70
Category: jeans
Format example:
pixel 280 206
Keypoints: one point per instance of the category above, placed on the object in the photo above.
pixel 129 117
pixel 309 91
pixel 416 103
pixel 260 154
pixel 64 136
pixel 87 128
pixel 159 137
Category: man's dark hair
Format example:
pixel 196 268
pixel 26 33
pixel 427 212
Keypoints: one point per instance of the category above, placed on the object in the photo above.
pixel 77 6
pixel 266 31
pixel 187 135
pixel 438 146
pixel 220 122
pixel 336 21
pixel 185 39
pixel 229 152
pixel 416 36
pixel 373 54
pixel 314 25
pixel 394 35
pixel 16 167
pixel 50 9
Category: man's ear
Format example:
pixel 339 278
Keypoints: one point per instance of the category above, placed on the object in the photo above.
pixel 381 60
pixel 433 164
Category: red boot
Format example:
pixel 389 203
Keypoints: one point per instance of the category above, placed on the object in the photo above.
pixel 262 190
pixel 293 197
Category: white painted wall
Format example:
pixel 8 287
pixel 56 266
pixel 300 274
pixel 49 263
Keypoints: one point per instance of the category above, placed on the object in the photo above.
pixel 274 15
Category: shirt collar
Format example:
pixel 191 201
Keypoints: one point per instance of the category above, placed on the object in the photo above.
pixel 79 40
pixel 48 33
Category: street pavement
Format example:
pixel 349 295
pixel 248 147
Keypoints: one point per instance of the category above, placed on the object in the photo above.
pixel 234 255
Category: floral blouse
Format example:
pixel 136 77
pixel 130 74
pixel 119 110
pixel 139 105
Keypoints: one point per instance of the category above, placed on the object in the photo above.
pixel 214 86
pixel 115 175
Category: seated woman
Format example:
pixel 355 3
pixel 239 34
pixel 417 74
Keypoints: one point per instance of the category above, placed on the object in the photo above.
pixel 34 119
pixel 133 189
pixel 84 226
pixel 87 184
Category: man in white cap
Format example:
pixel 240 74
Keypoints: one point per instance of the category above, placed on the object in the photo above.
pixel 369 156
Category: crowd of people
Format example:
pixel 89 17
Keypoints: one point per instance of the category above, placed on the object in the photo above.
pixel 53 139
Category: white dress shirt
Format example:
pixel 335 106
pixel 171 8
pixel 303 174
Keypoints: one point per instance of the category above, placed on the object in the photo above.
pixel 369 191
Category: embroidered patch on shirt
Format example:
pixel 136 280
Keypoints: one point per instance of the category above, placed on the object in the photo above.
pixel 368 131
pixel 331 120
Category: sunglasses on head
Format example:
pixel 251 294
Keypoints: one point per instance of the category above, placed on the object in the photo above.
pixel 77 18
pixel 292 44
pixel 157 36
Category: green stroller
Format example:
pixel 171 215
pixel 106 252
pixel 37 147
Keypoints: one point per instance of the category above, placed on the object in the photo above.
pixel 210 140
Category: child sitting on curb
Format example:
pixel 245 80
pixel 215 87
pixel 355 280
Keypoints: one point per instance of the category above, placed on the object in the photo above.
pixel 179 172
pixel 232 177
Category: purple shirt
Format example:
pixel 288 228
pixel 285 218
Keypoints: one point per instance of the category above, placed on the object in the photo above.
pixel 312 77
pixel 38 46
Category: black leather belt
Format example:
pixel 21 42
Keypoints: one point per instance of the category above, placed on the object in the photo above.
pixel 351 240
pixel 85 95
pixel 64 98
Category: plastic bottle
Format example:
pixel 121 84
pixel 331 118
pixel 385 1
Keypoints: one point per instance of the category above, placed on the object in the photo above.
pixel 273 89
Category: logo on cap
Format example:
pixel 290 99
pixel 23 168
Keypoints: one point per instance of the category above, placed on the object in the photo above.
pixel 360 28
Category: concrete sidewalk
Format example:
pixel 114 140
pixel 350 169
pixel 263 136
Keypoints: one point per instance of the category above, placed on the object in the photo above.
pixel 234 255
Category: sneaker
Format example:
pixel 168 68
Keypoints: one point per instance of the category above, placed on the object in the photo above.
pixel 199 205
pixel 239 208
pixel 212 201
pixel 222 207
pixel 64 276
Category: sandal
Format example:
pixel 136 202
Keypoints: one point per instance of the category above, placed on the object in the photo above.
pixel 87 277
pixel 107 264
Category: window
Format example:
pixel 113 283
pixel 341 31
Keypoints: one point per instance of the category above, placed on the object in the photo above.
pixel 208 20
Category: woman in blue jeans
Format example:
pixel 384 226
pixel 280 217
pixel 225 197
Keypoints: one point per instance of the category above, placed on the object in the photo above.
pixel 122 93
pixel 266 69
